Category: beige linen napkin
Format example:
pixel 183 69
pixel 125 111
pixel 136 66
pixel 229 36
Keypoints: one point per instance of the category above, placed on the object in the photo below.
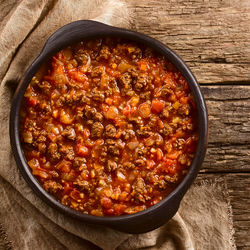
pixel 204 218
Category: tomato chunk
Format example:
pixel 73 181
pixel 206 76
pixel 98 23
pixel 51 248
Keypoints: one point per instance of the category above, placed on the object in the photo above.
pixel 32 101
pixel 78 76
pixel 158 105
pixel 106 202
pixel 82 150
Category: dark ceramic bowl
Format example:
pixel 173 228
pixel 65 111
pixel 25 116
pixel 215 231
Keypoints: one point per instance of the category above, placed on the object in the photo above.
pixel 154 216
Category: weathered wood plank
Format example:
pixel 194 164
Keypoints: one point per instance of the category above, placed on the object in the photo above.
pixel 213 36
pixel 229 158
pixel 229 114
pixel 229 128
pixel 239 190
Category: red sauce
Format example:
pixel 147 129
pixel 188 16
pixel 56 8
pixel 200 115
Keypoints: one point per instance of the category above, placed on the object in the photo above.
pixel 109 127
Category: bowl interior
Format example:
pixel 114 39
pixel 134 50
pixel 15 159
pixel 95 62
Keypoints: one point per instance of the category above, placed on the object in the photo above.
pixel 76 32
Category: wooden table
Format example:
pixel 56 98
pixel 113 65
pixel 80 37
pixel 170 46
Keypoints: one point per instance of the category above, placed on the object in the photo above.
pixel 213 37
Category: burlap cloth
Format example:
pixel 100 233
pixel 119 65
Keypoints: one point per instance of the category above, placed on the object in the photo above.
pixel 204 218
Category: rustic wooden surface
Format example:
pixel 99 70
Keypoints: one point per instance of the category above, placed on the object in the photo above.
pixel 213 37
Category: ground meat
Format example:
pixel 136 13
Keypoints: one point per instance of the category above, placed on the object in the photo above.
pixel 167 130
pixel 66 200
pixel 140 190
pixel 60 102
pixel 135 121
pixel 140 162
pixel 145 95
pixel 125 81
pixel 52 186
pixel 167 110
pixel 45 86
pixel 114 150
pixel 162 184
pixel 158 139
pixel 98 95
pixel 133 71
pixel 81 57
pixel 114 146
pixel 85 99
pixel 141 82
pixel 153 121
pixel 164 92
pixel 97 71
pixel 42 147
pixel 171 179
pixel 73 97
pixel 150 141
pixel 111 166
pixel 83 185
pixel 111 142
pixel 140 151
pixel 80 163
pixel 165 113
pixel 135 52
pixel 41 138
pixel 129 92
pixel 97 130
pixel 110 131
pixel 90 122
pixel 77 95
pixel 182 159
pixel 128 134
pixel 103 154
pixel 144 131
pixel 152 177
pixel 128 165
pixel 114 85
pixel 67 151
pixel 184 109
pixel 45 107
pixel 54 174
pixel 180 142
pixel 53 152
pixel 69 133
pixel 98 116
pixel 89 112
pixel 104 53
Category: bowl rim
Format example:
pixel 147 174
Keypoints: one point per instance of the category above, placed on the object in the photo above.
pixel 63 37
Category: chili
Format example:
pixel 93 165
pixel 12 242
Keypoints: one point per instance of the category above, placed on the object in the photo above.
pixel 109 127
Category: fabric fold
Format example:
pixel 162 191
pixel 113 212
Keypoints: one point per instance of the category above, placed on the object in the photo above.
pixel 19 24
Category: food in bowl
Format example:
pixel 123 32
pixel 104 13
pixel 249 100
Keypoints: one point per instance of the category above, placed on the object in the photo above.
pixel 109 127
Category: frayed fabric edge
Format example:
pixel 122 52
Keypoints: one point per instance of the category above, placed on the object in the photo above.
pixel 5 244
pixel 219 182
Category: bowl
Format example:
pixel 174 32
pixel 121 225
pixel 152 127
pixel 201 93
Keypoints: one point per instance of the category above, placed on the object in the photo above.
pixel 154 216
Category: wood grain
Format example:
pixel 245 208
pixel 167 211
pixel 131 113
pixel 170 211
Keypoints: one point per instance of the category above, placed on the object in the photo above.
pixel 239 190
pixel 229 114
pixel 223 159
pixel 212 36
pixel 229 128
